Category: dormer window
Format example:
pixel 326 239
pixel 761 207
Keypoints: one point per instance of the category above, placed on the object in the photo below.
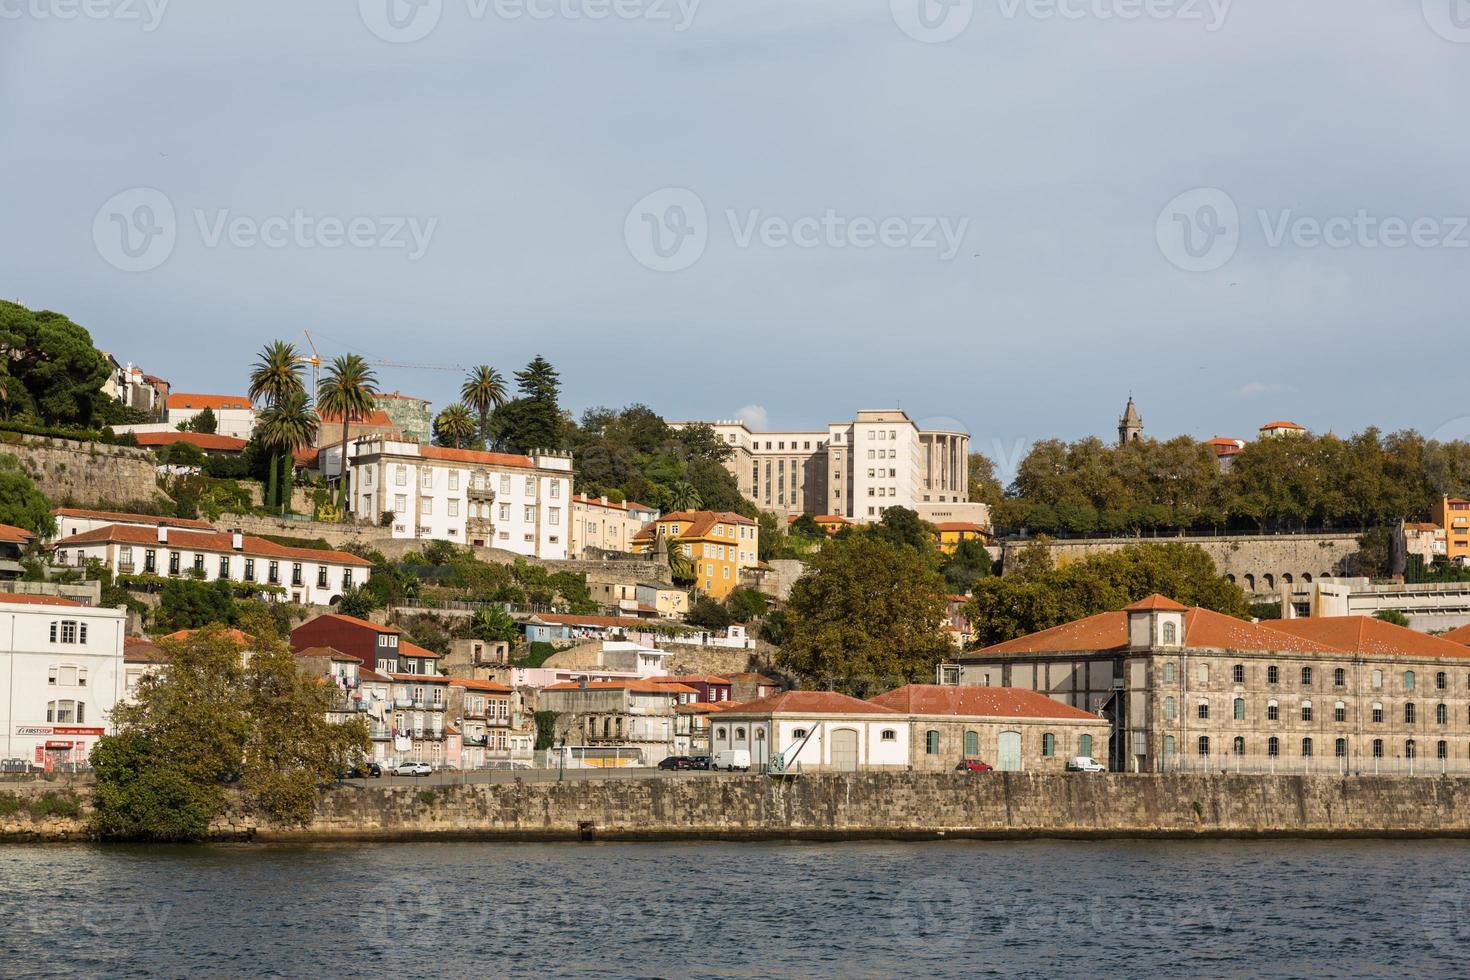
pixel 1171 634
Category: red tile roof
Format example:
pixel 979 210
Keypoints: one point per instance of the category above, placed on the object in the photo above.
pixel 142 652
pixel 330 652
pixel 10 534
pixel 218 542
pixel 27 599
pixel 1461 635
pixel 375 416
pixel 1364 634
pixel 811 703
pixel 1282 425
pixel 1156 602
pixel 476 456
pixel 122 517
pixel 408 649
pixel 689 678
pixel 700 522
pixel 979 702
pixel 240 637
pixel 204 440
pixel 1203 629
pixel 473 685
pixel 638 686
pixel 181 400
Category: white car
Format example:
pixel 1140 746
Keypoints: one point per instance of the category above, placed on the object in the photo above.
pixel 1085 763
pixel 413 769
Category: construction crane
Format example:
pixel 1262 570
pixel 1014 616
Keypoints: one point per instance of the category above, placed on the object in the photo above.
pixel 315 360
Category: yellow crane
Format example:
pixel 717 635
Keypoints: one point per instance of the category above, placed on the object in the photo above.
pixel 315 360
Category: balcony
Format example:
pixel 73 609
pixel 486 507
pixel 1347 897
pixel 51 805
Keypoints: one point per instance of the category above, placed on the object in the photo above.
pixel 380 733
pixel 420 704
pixel 476 739
pixel 125 568
pixel 403 703
pixel 436 705
pixel 435 734
pixel 486 494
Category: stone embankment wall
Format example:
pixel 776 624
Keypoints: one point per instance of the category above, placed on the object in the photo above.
pixel 901 805
pixel 1259 563
pixel 87 474
pixel 336 535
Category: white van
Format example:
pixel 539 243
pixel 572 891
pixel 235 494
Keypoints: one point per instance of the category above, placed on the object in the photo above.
pixel 1085 763
pixel 731 759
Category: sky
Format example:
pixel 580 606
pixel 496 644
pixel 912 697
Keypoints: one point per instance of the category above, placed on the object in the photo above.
pixel 1005 214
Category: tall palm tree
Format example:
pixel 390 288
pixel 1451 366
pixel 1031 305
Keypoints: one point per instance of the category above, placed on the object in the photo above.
pixel 683 496
pixel 286 426
pixel 454 426
pixel 275 377
pixel 348 391
pixel 484 391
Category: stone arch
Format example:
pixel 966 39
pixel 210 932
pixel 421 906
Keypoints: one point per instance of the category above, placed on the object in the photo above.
pixel 1230 578
pixel 1270 582
pixel 1287 579
pixel 1307 577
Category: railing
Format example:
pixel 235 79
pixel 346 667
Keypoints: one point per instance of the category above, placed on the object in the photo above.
pixel 436 706
pixel 476 739
pixel 435 734
pixel 380 733
pixel 419 704
pixel 403 702
pixel 125 568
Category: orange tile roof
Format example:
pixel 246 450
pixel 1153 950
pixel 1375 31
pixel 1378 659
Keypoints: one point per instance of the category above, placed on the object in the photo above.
pixel 1461 635
pixel 1156 602
pixel 218 542
pixel 331 652
pixel 1203 630
pixel 476 456
pixel 240 637
pixel 700 522
pixel 414 650
pixel 811 703
pixel 142 652
pixel 473 685
pixel 355 621
pixel 27 599
pixel 375 416
pixel 979 702
pixel 122 517
pixel 1282 425
pixel 598 502
pixel 10 534
pixel 182 400
pixel 1364 634
pixel 684 678
pixel 203 440
pixel 639 686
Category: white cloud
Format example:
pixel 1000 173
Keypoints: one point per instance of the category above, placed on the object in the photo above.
pixel 754 417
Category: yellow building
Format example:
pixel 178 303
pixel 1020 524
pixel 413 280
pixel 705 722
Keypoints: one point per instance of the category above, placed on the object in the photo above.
pixel 718 545
pixel 951 533
pixel 1453 514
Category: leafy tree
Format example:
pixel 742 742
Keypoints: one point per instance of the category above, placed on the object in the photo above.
pixel 347 391
pixel 708 614
pixel 746 604
pixel 21 504
pixel 358 601
pixel 970 562
pixel 204 421
pixel 683 496
pixel 984 487
pixel 865 617
pixel 51 372
pixel 774 628
pixel 484 391
pixel 181 454
pixel 806 526
pixel 454 427
pixel 533 420
pixel 1394 616
pixel 494 624
pixel 1039 596
pixel 903 527
pixel 187 603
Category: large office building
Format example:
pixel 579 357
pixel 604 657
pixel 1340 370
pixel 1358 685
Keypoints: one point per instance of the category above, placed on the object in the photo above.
pixel 854 469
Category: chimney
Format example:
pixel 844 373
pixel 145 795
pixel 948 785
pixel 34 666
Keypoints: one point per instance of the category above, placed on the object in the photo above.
pixel 582 682
pixel 604 500
pixel 162 534
pixel 237 539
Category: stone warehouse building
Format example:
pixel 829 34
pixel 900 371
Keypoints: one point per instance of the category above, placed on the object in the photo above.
pixel 1193 689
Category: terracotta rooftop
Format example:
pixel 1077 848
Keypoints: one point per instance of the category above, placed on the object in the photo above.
pixel 476 456
pixel 331 653
pixel 183 400
pixel 355 621
pixel 1156 602
pixel 690 678
pixel 203 440
pixel 637 686
pixel 811 703
pixel 1282 425
pixel 1461 635
pixel 978 702
pixel 1364 634
pixel 217 542
pixel 489 687
pixel 1203 629
pixel 122 517
pixel 26 599
pixel 10 534
pixel 240 637
pixel 407 649
pixel 699 522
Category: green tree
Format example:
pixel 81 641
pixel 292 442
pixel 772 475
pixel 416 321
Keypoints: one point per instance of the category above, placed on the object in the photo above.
pixel 358 601
pixel 746 604
pixel 683 496
pixel 483 391
pixel 187 604
pixel 903 527
pixel 286 426
pixel 532 421
pixel 493 624
pixel 275 378
pixel 205 421
pixel 21 504
pixel 865 617
pixel 970 562
pixel 347 391
pixel 51 372
pixel 708 614
pixel 1394 616
pixel 454 427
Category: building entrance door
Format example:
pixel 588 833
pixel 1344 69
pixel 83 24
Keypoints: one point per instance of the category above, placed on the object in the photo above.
pixel 1009 756
pixel 845 750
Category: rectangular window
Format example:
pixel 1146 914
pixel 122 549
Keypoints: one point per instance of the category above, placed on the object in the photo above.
pixel 505 512
pixel 454 479
pixel 173 563
pixel 321 576
pixel 296 573
pixel 426 506
pixel 250 569
pixel 530 515
pixel 199 564
pixel 274 573
pixel 453 508
pixel 505 484
pixel 426 479
pixel 553 516
pixel 400 475
pixel 224 566
pixel 400 503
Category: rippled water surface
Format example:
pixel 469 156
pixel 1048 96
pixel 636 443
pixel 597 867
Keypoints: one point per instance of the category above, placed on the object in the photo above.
pixel 1042 909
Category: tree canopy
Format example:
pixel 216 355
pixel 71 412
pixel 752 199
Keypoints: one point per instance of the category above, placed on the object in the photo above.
pixel 51 373
pixel 21 504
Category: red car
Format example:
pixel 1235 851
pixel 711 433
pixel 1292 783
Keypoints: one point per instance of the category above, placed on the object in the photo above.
pixel 973 765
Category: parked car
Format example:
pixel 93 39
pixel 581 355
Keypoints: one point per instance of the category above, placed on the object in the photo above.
pixel 413 769
pixel 675 762
pixel 699 762
pixel 364 770
pixel 731 760
pixel 1085 763
pixel 973 765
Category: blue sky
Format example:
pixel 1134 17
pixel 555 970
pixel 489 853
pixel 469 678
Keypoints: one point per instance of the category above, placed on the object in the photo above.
pixel 531 152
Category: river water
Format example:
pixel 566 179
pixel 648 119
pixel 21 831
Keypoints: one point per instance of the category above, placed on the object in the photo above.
pixel 960 909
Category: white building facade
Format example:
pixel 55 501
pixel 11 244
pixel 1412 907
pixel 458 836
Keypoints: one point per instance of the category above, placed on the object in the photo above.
pixel 516 503
pixel 61 674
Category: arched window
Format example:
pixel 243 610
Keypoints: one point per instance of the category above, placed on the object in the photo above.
pixel 1273 746
pixel 1250 582
pixel 1168 745
pixel 889 735
pixel 1273 710
pixel 1168 709
pixel 1240 709
pixel 931 742
pixel 1306 711
pixel 1441 714
pixel 1048 745
pixel 972 744
pixel 1377 709
pixel 1411 750
pixel 1339 677
pixel 1306 677
pixel 760 734
pixel 1339 711
pixel 740 734
pixel 1409 713
pixel 1442 750
pixel 1339 748
pixel 1307 577
pixel 1171 634
pixel 1378 748
pixel 1306 747
pixel 1408 680
pixel 720 732
pixel 1270 581
pixel 1168 672
pixel 1286 578
pixel 1239 746
pixel 1204 745
pixel 1273 674
pixel 1084 746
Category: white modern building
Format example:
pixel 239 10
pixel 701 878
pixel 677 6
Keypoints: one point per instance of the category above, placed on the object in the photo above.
pixel 492 500
pixel 71 521
pixel 234 415
pixel 854 469
pixel 303 575
pixel 61 670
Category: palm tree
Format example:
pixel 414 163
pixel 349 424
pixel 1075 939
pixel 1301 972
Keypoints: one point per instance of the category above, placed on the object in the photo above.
pixel 275 377
pixel 286 426
pixel 683 496
pixel 681 568
pixel 348 391
pixel 454 426
pixel 484 391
